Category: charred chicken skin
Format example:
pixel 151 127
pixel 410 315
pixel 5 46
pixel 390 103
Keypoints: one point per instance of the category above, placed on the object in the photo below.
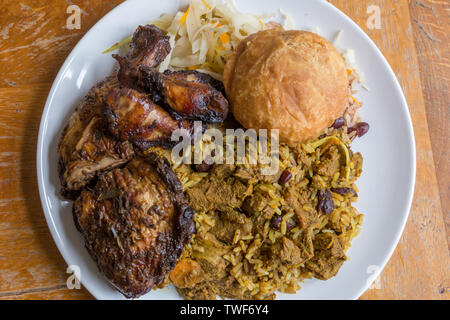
pixel 149 47
pixel 196 77
pixel 186 94
pixel 132 116
pixel 135 223
pixel 85 148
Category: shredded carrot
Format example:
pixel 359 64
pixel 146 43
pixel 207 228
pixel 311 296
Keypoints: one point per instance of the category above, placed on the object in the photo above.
pixel 218 25
pixel 192 67
pixel 206 4
pixel 224 38
pixel 353 98
pixel 183 18
pixel 118 44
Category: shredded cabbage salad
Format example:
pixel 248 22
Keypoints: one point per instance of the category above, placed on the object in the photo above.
pixel 204 35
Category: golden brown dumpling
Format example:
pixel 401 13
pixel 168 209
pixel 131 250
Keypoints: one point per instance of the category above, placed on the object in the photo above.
pixel 294 81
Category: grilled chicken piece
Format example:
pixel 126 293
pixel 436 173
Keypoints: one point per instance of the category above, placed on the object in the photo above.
pixel 85 149
pixel 149 47
pixel 132 116
pixel 135 223
pixel 196 77
pixel 186 94
pixel 190 94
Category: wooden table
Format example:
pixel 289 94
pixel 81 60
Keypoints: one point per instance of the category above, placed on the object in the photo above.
pixel 34 42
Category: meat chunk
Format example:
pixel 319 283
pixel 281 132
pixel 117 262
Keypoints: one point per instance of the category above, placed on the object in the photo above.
pixel 305 243
pixel 328 256
pixel 227 286
pixel 230 288
pixel 261 224
pixel 329 163
pixel 254 173
pixel 293 253
pixel 135 223
pixel 255 203
pixel 133 117
pixel 290 253
pixel 221 191
pixel 210 254
pixel 217 194
pixel 227 223
pixel 203 291
pixel 296 197
pixel 85 149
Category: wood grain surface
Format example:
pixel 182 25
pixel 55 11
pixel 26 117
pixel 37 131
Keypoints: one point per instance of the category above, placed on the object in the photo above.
pixel 34 42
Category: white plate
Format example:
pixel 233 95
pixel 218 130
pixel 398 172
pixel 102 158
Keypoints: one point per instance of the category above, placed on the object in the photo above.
pixel 386 185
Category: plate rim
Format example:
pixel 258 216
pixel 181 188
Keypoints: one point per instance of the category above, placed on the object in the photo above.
pixel 44 121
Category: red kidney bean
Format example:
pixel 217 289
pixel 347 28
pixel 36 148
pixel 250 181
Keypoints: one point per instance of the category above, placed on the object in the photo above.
pixel 285 177
pixel 289 227
pixel 338 123
pixel 325 202
pixel 361 129
pixel 275 222
pixel 203 167
pixel 344 191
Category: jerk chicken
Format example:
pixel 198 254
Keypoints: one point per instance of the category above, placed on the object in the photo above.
pixel 130 206
pixel 114 122
pixel 85 148
pixel 185 94
pixel 135 223
pixel 149 47
pixel 132 116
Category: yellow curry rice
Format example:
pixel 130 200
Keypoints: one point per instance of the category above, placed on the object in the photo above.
pixel 249 251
